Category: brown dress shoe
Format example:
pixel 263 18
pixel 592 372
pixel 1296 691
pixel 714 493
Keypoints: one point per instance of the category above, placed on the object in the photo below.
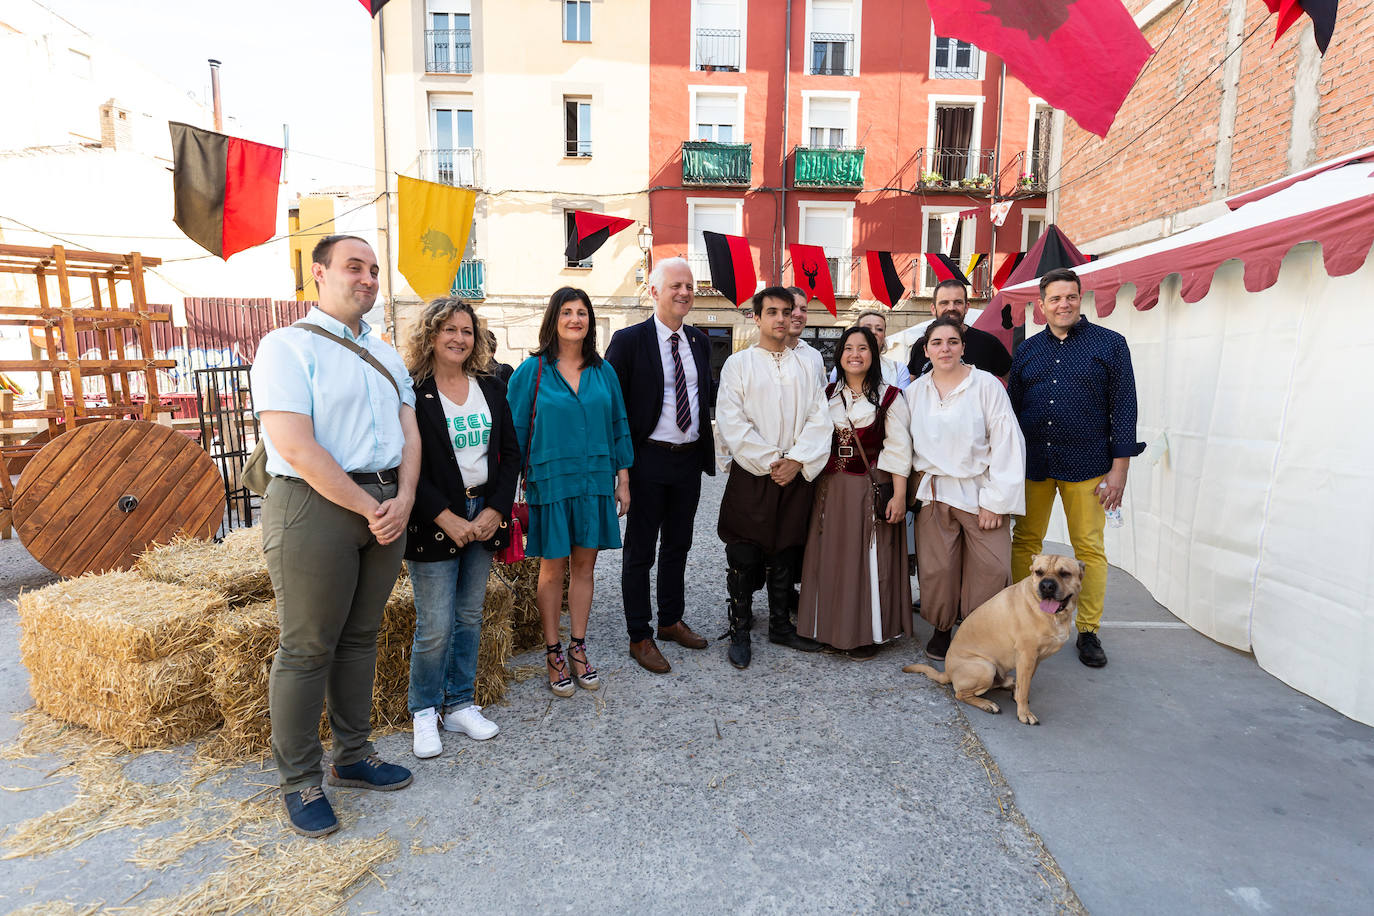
pixel 682 634
pixel 650 659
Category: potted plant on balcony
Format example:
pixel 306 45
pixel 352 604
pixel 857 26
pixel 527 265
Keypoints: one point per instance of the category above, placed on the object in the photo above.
pixel 984 181
pixel 968 182
pixel 1026 182
pixel 931 178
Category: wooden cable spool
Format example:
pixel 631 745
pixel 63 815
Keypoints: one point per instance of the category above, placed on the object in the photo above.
pixel 96 497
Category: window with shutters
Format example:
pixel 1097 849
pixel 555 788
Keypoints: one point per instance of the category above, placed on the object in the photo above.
pixel 709 214
pixel 830 121
pixel 717 116
pixel 830 225
pixel 833 37
pixel 719 33
pixel 961 246
pixel 954 59
pixel 448 36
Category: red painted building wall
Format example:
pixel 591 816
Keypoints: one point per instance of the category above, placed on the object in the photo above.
pixel 892 124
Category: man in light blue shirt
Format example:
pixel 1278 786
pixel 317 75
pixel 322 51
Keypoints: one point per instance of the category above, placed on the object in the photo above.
pixel 344 454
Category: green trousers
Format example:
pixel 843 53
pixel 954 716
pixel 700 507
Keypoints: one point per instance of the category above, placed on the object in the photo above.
pixel 331 580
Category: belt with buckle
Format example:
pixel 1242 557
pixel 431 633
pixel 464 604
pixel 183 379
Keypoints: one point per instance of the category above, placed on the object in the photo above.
pixel 378 477
pixel 845 451
pixel 477 492
pixel 673 446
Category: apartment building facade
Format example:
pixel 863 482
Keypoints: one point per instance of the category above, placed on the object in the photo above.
pixel 841 123
pixel 1235 110
pixel 542 107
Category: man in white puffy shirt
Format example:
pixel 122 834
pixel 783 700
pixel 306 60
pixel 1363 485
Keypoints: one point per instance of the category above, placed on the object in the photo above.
pixel 796 323
pixel 771 416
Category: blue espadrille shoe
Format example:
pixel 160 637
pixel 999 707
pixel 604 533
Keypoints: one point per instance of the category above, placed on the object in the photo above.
pixel 310 813
pixel 370 773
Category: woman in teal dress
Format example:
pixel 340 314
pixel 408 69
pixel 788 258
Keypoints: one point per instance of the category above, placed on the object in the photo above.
pixel 570 422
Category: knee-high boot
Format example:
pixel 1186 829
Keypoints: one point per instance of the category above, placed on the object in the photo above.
pixel 739 586
pixel 781 630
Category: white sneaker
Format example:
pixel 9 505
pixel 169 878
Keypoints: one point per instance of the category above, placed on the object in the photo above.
pixel 470 722
pixel 426 728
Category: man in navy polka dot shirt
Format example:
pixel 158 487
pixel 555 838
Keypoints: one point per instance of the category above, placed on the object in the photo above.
pixel 1073 391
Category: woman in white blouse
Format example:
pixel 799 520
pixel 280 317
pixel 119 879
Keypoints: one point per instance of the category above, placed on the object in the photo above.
pixel 855 592
pixel 971 458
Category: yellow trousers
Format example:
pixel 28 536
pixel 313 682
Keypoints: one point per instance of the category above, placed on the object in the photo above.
pixel 1086 520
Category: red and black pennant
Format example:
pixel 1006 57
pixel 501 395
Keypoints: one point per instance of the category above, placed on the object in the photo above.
pixel 883 278
pixel 373 6
pixel 1321 12
pixel 945 268
pixel 1010 263
pixel 811 272
pixel 732 266
pixel 224 188
pixel 590 232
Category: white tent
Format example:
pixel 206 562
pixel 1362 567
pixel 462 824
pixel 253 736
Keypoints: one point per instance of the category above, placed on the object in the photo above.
pixel 1251 515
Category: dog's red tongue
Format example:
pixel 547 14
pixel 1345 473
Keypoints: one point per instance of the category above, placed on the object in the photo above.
pixel 1049 607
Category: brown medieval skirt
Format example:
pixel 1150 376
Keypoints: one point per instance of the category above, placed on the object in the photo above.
pixel 754 510
pixel 854 589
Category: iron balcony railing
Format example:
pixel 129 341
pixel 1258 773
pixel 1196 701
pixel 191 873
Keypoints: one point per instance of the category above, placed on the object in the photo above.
pixel 458 167
pixel 470 281
pixel 955 60
pixel 448 51
pixel 954 169
pixel 717 49
pixel 705 162
pixel 1034 177
pixel 832 54
pixel 828 167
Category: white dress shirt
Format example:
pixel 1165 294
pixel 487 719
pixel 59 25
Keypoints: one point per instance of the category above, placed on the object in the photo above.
pixel 969 445
pixel 667 429
pixel 769 407
pixel 812 359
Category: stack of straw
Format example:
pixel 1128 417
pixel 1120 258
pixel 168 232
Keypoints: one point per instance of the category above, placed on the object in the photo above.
pixel 235 568
pixel 123 656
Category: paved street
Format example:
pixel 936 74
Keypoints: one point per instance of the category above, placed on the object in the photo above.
pixel 1179 778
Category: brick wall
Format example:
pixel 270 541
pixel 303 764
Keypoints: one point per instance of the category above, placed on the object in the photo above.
pixel 1110 186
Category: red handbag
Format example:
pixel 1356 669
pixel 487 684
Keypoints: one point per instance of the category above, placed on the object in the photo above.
pixel 514 552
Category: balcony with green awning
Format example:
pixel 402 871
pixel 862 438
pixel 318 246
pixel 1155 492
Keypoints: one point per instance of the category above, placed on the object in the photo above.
pixel 828 167
pixel 705 162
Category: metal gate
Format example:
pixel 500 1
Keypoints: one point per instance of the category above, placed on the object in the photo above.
pixel 229 432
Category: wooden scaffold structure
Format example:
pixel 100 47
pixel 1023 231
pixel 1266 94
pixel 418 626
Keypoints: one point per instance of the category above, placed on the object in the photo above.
pixel 102 479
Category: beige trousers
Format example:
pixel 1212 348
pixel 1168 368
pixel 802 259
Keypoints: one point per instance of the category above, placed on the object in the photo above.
pixel 958 565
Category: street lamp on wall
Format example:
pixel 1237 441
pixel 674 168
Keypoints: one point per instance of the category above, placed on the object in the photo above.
pixel 646 245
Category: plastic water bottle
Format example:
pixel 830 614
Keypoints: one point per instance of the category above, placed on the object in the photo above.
pixel 1114 519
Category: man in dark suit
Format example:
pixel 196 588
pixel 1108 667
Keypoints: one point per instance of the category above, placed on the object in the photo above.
pixel 665 375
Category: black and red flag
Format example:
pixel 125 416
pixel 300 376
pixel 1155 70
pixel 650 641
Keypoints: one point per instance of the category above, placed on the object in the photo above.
pixel 1009 264
pixel 225 189
pixel 1321 12
pixel 373 6
pixel 883 278
pixel 590 232
pixel 946 268
pixel 811 272
pixel 1081 56
pixel 732 266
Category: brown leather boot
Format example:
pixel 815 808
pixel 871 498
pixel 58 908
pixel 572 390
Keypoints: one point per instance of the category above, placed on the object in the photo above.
pixel 645 651
pixel 682 634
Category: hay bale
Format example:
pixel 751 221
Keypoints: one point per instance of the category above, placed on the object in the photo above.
pixel 121 655
pixel 244 642
pixel 121 616
pixel 235 568
pixel 395 638
pixel 523 580
pixel 498 639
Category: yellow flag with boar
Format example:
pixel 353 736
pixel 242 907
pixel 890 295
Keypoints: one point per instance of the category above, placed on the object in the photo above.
pixel 435 222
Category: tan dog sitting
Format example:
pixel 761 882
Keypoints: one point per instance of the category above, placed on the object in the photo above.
pixel 1015 629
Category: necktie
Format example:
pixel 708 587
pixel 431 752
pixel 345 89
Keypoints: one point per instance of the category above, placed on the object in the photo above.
pixel 684 409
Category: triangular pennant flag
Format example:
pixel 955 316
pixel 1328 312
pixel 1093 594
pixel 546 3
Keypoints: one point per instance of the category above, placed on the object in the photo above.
pixel 1000 211
pixel 1009 264
pixel 435 222
pixel 1035 37
pixel 731 264
pixel 373 6
pixel 945 268
pixel 1322 13
pixel 883 278
pixel 224 189
pixel 949 224
pixel 811 271
pixel 590 232
pixel 973 261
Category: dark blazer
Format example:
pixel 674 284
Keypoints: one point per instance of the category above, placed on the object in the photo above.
pixel 440 485
pixel 634 354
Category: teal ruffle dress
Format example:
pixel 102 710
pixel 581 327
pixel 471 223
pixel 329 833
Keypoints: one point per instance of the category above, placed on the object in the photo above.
pixel 580 441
